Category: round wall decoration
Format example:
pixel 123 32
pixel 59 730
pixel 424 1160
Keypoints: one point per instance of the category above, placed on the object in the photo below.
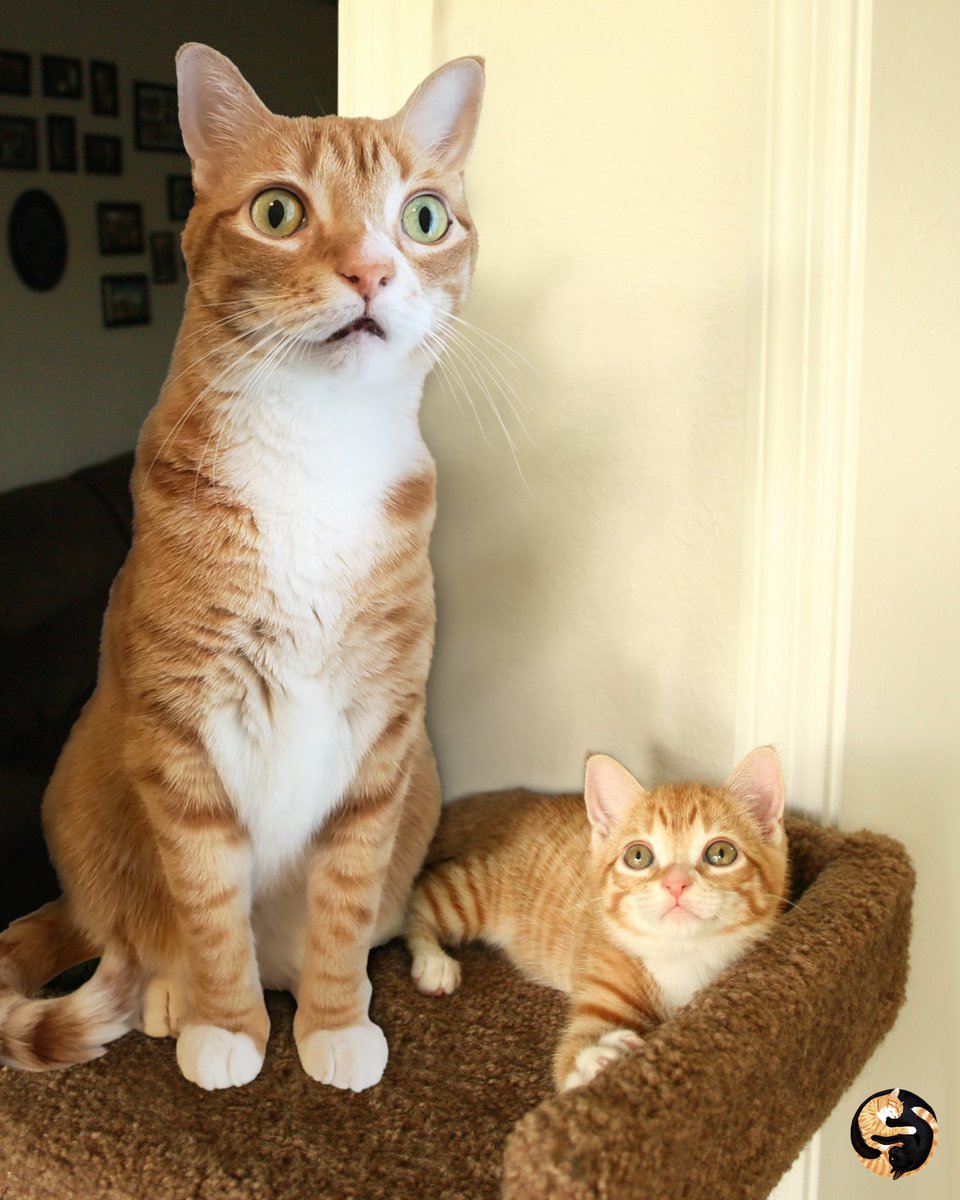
pixel 37 238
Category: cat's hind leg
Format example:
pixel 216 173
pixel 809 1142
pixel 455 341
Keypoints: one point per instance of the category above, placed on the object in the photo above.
pixel 166 1005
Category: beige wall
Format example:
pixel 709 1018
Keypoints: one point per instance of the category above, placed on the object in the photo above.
pixel 588 592
pixel 903 726
pixel 72 392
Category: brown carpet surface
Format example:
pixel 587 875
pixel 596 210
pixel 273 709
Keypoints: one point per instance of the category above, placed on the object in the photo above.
pixel 709 1106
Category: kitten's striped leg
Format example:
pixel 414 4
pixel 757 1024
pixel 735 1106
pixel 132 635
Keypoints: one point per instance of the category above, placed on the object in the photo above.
pixel 611 1008
pixel 437 913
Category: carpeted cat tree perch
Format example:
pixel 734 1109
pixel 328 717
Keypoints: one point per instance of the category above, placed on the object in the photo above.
pixel 464 1111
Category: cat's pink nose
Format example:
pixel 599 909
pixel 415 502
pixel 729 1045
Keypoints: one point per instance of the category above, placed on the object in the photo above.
pixel 676 881
pixel 366 276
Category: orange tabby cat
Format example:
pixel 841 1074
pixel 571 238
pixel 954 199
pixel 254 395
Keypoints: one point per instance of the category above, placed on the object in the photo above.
pixel 246 798
pixel 630 907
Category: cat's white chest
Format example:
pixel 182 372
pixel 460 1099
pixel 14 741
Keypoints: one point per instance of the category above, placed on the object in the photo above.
pixel 315 485
pixel 682 968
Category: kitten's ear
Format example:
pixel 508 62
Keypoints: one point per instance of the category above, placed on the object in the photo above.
pixel 608 789
pixel 442 114
pixel 758 783
pixel 218 110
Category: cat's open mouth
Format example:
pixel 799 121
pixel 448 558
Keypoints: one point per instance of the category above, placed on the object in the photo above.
pixel 360 325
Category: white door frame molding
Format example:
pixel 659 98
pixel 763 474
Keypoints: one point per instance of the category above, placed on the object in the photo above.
pixel 804 391
pixel 803 406
pixel 384 49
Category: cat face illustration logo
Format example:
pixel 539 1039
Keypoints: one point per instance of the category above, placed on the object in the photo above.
pixel 894 1133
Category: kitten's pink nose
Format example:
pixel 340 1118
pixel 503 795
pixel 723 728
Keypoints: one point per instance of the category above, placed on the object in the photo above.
pixel 366 275
pixel 676 880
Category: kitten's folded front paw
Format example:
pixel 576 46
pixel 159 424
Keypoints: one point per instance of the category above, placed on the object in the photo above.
pixel 354 1057
pixel 435 974
pixel 594 1059
pixel 213 1058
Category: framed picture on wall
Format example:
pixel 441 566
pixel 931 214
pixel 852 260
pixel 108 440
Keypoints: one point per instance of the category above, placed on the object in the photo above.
pixel 179 197
pixel 18 143
pixel 126 300
pixel 163 256
pixel 102 154
pixel 155 118
pixel 62 77
pixel 14 73
pixel 120 227
pixel 61 143
pixel 104 92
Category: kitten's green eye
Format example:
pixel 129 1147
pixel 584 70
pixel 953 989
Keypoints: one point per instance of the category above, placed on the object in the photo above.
pixel 720 854
pixel 277 213
pixel 425 219
pixel 638 856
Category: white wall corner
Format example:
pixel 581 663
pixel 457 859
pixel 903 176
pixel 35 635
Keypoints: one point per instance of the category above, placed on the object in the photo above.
pixel 384 50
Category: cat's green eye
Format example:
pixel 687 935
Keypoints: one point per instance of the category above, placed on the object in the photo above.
pixel 425 219
pixel 638 856
pixel 277 213
pixel 720 853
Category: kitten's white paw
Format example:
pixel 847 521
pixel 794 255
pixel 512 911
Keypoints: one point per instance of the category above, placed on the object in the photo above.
pixel 212 1057
pixel 435 974
pixel 622 1040
pixel 594 1059
pixel 353 1058
pixel 165 1007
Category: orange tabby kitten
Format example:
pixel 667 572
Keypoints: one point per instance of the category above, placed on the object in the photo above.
pixel 246 798
pixel 630 907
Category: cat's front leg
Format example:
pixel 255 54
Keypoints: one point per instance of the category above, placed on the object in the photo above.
pixel 337 1042
pixel 206 864
pixel 612 1005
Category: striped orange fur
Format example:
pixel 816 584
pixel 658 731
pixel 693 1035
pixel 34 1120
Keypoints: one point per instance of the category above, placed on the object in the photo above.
pixel 250 791
pixel 565 888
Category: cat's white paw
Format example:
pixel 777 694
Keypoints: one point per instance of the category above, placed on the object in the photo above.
pixel 165 1007
pixel 622 1040
pixel 213 1058
pixel 435 974
pixel 353 1058
pixel 594 1059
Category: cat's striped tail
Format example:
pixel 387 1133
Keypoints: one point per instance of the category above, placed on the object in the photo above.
pixel 44 1034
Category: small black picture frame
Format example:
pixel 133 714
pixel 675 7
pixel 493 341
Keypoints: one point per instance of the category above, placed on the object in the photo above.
pixel 62 77
pixel 120 228
pixel 102 154
pixel 179 197
pixel 16 73
pixel 18 143
pixel 125 299
pixel 155 120
pixel 61 142
pixel 104 89
pixel 163 256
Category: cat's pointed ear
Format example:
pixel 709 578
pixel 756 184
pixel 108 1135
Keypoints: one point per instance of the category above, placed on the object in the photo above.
pixel 758 783
pixel 442 114
pixel 218 110
pixel 608 789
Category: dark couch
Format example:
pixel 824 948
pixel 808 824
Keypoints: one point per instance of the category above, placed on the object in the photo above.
pixel 61 544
